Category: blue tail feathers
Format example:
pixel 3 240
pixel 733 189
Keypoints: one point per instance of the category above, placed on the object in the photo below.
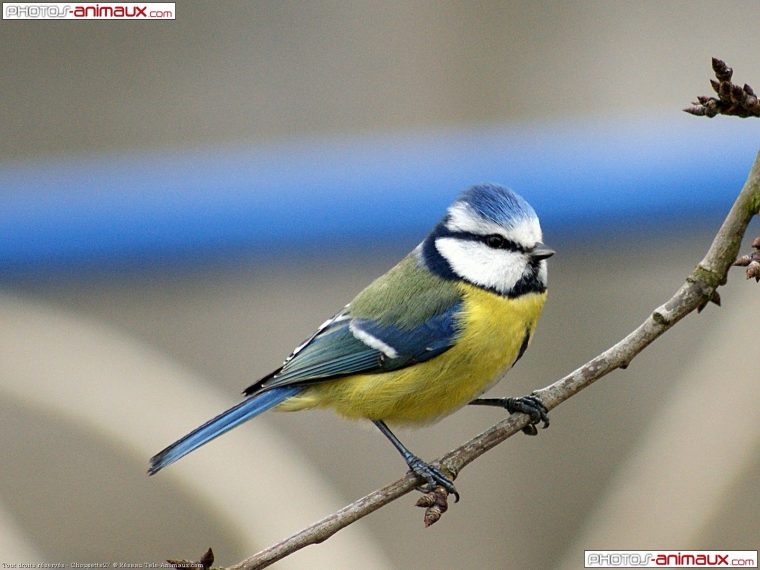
pixel 222 423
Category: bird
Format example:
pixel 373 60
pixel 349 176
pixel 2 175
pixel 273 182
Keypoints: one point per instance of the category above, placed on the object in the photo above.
pixel 423 340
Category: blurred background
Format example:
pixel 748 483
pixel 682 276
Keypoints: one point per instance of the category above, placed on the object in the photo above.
pixel 182 202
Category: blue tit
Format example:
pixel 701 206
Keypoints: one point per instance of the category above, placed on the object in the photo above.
pixel 423 340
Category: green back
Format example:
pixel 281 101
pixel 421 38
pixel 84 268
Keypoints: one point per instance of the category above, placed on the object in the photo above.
pixel 406 296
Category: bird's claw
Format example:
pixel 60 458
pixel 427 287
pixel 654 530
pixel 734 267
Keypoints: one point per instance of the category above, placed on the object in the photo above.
pixel 433 475
pixel 533 408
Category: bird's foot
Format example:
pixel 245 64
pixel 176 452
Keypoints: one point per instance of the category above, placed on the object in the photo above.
pixel 531 406
pixel 433 475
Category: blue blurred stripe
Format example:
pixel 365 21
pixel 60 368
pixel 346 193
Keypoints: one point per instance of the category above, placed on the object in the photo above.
pixel 579 177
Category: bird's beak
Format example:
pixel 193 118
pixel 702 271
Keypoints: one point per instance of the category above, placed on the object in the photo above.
pixel 541 251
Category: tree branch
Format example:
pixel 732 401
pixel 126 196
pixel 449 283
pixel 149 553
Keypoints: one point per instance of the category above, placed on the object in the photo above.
pixel 698 289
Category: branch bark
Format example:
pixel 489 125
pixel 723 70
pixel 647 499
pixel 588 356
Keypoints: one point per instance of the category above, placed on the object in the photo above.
pixel 698 289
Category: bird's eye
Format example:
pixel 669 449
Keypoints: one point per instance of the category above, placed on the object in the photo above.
pixel 496 241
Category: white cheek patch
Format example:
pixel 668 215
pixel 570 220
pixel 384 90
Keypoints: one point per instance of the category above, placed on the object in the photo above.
pixel 497 269
pixel 543 273
pixel 462 218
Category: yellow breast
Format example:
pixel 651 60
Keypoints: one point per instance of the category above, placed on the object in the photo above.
pixel 492 331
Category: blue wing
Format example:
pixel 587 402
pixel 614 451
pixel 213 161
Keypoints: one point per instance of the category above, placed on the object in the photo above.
pixel 346 345
pixel 343 345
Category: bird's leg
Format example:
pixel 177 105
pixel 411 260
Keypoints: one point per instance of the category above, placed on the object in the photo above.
pixel 529 405
pixel 430 473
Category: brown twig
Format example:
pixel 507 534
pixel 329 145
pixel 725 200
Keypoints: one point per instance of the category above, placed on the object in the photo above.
pixel 697 290
pixel 732 99
pixel 751 261
pixel 205 562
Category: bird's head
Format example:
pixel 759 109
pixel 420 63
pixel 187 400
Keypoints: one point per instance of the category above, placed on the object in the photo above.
pixel 489 237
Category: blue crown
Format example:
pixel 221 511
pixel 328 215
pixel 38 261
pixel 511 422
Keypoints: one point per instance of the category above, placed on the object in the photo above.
pixel 497 204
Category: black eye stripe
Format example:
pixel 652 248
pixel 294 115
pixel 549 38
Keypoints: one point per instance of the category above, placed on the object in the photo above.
pixel 497 241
